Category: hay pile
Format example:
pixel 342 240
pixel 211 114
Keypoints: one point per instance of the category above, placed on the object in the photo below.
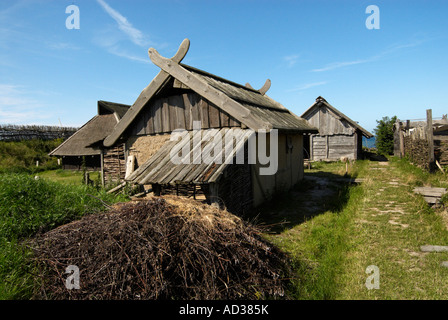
pixel 163 248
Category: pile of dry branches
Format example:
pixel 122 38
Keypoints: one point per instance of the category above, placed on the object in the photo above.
pixel 163 248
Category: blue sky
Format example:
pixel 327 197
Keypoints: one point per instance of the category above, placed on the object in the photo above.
pixel 53 75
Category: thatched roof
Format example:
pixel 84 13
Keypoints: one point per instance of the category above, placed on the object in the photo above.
pixel 85 141
pixel 322 102
pixel 252 108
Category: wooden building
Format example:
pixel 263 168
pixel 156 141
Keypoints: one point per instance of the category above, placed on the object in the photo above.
pixel 85 146
pixel 338 137
pixel 180 97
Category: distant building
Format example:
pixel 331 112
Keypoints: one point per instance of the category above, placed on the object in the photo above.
pixel 85 146
pixel 339 136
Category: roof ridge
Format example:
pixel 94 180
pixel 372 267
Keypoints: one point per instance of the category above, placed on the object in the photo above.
pixel 205 73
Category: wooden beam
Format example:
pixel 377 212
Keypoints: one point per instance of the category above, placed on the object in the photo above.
pixel 138 105
pixel 102 167
pixel 144 97
pixel 220 99
pixel 265 87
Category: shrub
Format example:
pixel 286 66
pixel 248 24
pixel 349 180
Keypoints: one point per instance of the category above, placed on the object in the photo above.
pixel 384 134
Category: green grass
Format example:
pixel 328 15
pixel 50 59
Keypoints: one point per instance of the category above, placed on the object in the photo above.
pixel 22 156
pixel 30 207
pixel 378 222
pixel 68 176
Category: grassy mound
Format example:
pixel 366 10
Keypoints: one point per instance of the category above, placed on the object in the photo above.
pixel 163 248
pixel 21 156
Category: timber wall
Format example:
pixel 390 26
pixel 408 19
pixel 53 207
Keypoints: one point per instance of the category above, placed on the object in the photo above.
pixel 166 114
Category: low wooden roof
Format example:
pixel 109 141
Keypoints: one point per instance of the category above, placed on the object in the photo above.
pixel 251 107
pixel 322 102
pixel 85 140
pixel 160 169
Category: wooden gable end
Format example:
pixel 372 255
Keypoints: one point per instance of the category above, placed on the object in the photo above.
pixel 178 110
pixel 329 123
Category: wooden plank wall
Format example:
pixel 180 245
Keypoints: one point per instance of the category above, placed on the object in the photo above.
pixel 328 123
pixel 178 112
pixel 334 147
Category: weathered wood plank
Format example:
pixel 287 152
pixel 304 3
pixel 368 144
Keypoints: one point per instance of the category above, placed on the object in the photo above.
pixel 225 120
pixel 157 116
pixel 149 118
pixel 165 116
pixel 140 127
pixel 187 110
pixel 172 114
pixel 177 112
pixel 430 192
pixel 204 113
pixel 214 117
pixel 432 200
pixel 432 248
pixel 233 122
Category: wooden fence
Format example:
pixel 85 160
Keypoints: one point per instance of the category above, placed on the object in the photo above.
pixel 425 143
pixel 30 132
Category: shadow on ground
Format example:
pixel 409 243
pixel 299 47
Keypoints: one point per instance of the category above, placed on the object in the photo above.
pixel 316 194
pixel 375 157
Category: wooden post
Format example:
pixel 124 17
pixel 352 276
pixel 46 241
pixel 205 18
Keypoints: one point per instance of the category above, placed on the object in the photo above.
pixel 429 135
pixel 130 165
pixel 157 189
pixel 311 147
pixel 102 167
pixel 401 137
pixel 213 187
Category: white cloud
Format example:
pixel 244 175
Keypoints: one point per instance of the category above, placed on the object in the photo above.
pixel 308 86
pixel 337 65
pixel 135 35
pixel 63 46
pixel 291 60
pixel 112 40
pixel 122 53
pixel 392 49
